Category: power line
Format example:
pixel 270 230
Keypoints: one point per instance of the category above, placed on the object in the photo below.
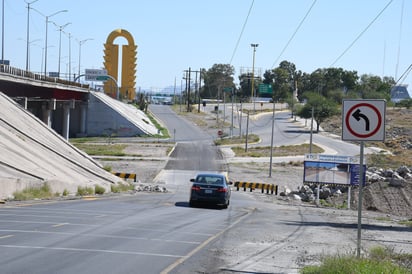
pixel 399 42
pixel 404 75
pixel 294 33
pixel 241 33
pixel 362 32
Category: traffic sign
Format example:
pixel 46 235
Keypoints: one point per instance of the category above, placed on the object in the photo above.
pixel 95 74
pixel 363 120
pixel 265 89
pixel 102 78
pixel 228 89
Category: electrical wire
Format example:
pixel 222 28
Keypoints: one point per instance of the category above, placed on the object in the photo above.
pixel 404 75
pixel 294 33
pixel 241 32
pixel 360 34
pixel 399 42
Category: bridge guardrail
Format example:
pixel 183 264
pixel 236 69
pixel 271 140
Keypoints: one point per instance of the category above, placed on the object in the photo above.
pixel 272 188
pixel 40 77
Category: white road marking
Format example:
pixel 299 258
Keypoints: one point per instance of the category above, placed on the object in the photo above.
pixel 92 250
pixel 100 236
pixel 6 236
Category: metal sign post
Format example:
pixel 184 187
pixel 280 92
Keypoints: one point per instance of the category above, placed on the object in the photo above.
pixel 358 246
pixel 363 120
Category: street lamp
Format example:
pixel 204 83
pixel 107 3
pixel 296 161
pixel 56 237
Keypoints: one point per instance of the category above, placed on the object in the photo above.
pixel 60 42
pixel 45 47
pixel 42 56
pixel 28 32
pixel 70 56
pixel 254 46
pixel 2 33
pixel 81 42
pixel 28 52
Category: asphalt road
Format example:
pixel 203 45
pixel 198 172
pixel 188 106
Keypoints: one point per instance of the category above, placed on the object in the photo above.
pixel 160 233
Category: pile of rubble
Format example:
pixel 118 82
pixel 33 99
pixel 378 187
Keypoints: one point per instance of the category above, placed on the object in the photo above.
pixel 149 188
pixel 394 178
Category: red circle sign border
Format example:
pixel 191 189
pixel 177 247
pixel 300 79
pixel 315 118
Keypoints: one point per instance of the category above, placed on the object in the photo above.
pixel 363 135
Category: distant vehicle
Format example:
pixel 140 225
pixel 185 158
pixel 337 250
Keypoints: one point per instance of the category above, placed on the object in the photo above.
pixel 210 188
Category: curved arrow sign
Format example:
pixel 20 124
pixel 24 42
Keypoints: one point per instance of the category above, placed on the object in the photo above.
pixel 358 115
pixel 363 120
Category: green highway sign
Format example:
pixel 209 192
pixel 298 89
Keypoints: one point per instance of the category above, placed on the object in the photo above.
pixel 102 78
pixel 265 89
pixel 227 89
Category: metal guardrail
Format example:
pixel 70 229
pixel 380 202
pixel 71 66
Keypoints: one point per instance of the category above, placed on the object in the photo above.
pixel 272 188
pixel 5 69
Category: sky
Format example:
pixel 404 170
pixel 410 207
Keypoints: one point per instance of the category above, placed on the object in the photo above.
pixel 368 36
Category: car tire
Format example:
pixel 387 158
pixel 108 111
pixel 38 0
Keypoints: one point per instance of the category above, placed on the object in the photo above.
pixel 191 203
pixel 226 205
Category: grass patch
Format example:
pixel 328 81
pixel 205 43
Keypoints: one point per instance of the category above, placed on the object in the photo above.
pixel 107 168
pixel 83 191
pixel 121 187
pixel 294 150
pixel 99 189
pixel 407 223
pixel 30 193
pixel 163 132
pixel 85 140
pixel 102 149
pixel 380 260
pixel 389 161
pixel 252 138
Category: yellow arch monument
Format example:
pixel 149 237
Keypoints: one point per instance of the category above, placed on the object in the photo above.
pixel 111 64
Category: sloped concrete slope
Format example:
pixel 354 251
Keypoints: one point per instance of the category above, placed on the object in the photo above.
pixel 32 153
pixel 107 116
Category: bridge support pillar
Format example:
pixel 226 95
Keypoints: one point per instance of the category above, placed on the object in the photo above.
pixel 48 107
pixel 66 118
pixel 83 120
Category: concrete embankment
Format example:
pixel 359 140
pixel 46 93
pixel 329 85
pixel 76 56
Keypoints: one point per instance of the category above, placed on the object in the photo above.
pixel 33 154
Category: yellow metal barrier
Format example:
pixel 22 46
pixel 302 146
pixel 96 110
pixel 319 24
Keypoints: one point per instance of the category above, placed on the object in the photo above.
pixel 126 176
pixel 268 187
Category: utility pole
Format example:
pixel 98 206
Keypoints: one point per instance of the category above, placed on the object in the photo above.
pixel 197 88
pixel 254 46
pixel 247 130
pixel 187 79
pixel 200 85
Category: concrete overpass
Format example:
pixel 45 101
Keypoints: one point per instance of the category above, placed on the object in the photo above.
pixel 72 109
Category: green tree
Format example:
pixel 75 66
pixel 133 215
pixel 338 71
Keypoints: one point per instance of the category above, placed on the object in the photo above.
pixel 216 79
pixel 245 85
pixel 323 108
pixel 284 79
pixel 324 81
pixel 374 87
pixel 245 82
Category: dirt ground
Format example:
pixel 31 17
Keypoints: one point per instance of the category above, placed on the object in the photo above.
pixel 378 197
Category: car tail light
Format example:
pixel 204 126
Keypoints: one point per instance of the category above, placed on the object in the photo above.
pixel 222 189
pixel 196 188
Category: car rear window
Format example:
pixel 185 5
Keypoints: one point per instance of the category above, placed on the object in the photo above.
pixel 212 180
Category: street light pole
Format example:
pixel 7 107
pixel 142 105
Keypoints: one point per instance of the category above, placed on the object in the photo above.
pixel 28 32
pixel 70 56
pixel 28 53
pixel 45 47
pixel 60 42
pixel 2 34
pixel 80 50
pixel 254 46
